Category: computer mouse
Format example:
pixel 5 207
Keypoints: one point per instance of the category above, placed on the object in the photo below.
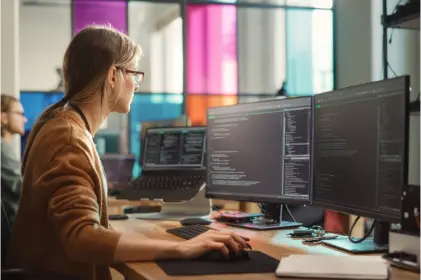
pixel 195 221
pixel 217 256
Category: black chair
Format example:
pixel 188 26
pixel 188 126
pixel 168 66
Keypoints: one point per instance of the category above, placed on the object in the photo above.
pixel 20 273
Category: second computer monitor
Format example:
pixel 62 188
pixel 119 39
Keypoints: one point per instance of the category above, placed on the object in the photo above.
pixel 260 152
pixel 360 155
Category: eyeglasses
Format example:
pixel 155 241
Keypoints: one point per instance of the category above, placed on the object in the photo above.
pixel 14 112
pixel 138 75
pixel 17 113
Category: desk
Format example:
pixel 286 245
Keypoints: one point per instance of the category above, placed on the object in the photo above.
pixel 275 243
pixel 117 206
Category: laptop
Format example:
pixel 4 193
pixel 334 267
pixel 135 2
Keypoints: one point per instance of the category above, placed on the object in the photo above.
pixel 118 169
pixel 173 165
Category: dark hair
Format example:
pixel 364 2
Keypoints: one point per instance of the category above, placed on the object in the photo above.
pixel 6 104
pixel 88 58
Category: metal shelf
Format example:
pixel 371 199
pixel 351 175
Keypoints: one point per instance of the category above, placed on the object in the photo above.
pixel 405 16
pixel 411 21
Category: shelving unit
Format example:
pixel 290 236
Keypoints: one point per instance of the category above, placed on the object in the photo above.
pixel 407 18
pixel 410 21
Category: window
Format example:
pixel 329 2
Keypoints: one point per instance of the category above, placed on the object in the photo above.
pixel 157 28
pixel 261 47
pixel 167 56
pixel 309 55
pixel 326 4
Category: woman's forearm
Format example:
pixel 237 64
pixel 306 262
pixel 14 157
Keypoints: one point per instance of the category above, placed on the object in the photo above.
pixel 135 247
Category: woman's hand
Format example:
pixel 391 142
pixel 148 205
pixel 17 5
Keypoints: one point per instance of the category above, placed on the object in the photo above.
pixel 210 241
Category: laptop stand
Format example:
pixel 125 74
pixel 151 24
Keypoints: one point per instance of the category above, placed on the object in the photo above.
pixel 198 207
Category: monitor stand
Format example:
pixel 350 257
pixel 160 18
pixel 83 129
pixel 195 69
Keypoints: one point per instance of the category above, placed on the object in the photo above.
pixel 378 244
pixel 266 224
pixel 198 207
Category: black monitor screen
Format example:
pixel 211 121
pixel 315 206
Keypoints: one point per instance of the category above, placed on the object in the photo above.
pixel 360 149
pixel 118 168
pixel 260 151
pixel 176 147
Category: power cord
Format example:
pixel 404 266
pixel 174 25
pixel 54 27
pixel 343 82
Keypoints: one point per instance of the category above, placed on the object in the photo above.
pixel 356 241
pixel 262 208
pixel 290 214
pixel 390 38
pixel 391 69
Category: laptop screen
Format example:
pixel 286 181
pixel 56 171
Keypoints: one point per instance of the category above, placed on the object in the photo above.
pixel 118 168
pixel 174 148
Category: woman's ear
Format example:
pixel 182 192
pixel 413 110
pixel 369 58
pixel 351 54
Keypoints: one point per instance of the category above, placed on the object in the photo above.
pixel 4 118
pixel 111 77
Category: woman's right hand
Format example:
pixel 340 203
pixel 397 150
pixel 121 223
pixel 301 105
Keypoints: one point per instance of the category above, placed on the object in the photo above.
pixel 211 240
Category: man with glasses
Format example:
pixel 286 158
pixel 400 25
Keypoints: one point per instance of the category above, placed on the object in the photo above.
pixel 12 123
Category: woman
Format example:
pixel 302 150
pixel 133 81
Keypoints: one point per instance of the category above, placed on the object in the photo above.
pixel 12 123
pixel 62 221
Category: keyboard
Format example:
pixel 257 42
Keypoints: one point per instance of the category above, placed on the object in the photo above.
pixel 169 186
pixel 189 232
pixel 175 182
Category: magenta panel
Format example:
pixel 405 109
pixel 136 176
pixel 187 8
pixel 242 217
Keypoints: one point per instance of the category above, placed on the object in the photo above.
pixel 87 12
pixel 211 49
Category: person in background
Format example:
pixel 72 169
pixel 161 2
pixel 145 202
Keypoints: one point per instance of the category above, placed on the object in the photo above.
pixel 12 123
pixel 62 224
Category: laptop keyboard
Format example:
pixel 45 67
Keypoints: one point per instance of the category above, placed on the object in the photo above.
pixel 169 182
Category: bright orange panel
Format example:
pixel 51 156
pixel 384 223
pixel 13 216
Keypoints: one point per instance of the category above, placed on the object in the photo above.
pixel 197 106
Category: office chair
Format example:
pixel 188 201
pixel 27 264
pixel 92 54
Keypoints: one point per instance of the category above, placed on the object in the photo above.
pixel 20 273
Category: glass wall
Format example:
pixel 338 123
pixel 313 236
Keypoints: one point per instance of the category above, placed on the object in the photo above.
pixel 196 54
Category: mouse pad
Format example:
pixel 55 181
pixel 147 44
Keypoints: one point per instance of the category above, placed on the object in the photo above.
pixel 258 263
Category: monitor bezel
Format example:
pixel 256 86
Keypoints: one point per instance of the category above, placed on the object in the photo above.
pixel 363 212
pixel 262 199
pixel 146 168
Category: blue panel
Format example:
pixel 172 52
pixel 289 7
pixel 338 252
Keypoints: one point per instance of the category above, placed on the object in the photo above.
pixel 34 103
pixel 153 107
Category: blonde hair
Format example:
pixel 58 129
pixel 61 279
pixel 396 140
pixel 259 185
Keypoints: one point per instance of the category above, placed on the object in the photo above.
pixel 88 58
pixel 6 104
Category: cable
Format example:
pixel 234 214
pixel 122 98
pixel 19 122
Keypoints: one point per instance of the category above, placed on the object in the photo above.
pixel 391 36
pixel 394 10
pixel 396 7
pixel 364 237
pixel 290 214
pixel 391 69
pixel 263 209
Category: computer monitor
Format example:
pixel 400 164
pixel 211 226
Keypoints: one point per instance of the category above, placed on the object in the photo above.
pixel 360 155
pixel 174 148
pixel 261 152
pixel 118 169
